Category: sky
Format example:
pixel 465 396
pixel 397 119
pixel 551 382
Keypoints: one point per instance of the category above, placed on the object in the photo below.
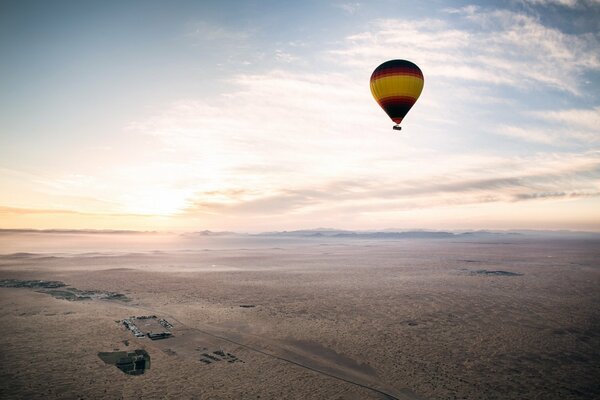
pixel 257 115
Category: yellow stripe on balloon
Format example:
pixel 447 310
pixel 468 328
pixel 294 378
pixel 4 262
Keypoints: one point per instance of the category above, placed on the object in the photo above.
pixel 397 85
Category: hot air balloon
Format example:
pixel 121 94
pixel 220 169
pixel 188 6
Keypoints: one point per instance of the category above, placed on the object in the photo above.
pixel 396 86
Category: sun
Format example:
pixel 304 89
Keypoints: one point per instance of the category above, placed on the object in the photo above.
pixel 159 202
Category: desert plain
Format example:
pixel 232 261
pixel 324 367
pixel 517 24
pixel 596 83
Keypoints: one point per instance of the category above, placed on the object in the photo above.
pixel 481 317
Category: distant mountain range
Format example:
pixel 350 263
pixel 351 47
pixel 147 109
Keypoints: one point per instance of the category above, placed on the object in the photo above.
pixel 209 233
pixel 332 233
pixel 425 234
pixel 387 234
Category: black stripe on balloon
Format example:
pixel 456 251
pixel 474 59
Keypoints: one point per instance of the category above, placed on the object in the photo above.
pixel 406 100
pixel 397 67
pixel 397 110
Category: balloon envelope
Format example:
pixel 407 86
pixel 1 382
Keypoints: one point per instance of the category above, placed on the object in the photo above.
pixel 396 85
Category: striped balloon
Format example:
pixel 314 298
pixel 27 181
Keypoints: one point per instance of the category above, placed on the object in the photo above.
pixel 396 86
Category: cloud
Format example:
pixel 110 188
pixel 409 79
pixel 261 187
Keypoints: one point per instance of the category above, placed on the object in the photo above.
pixel 49 211
pixel 554 195
pixel 24 211
pixel 585 119
pixel 555 135
pixel 349 8
pixel 558 127
pixel 497 47
pixel 204 31
pixel 563 3
pixel 560 176
pixel 531 134
pixel 285 57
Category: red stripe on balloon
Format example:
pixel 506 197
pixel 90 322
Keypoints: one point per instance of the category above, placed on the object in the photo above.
pixel 405 100
pixel 392 71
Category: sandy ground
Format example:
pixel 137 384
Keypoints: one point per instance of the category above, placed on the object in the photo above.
pixel 408 317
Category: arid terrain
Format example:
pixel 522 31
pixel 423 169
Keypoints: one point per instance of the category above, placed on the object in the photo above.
pixel 513 317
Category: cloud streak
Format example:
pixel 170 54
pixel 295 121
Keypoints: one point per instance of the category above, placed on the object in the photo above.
pixel 498 47
pixel 562 177
pixel 558 127
pixel 564 3
pixel 554 195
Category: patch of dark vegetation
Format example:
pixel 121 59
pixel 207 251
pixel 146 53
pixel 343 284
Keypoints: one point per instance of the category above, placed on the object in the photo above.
pixel 486 272
pixel 18 283
pixel 73 294
pixel 65 295
pixel 131 363
pixel 64 292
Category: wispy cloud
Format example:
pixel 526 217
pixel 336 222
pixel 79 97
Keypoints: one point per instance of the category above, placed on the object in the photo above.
pixel 25 211
pixel 284 56
pixel 558 127
pixel 58 211
pixel 204 31
pixel 558 176
pixel 586 119
pixel 350 7
pixel 563 3
pixel 499 47
pixel 554 195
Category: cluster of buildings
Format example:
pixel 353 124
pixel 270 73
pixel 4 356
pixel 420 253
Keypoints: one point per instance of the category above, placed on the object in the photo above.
pixel 165 323
pixel 161 335
pixel 134 329
pixel 131 325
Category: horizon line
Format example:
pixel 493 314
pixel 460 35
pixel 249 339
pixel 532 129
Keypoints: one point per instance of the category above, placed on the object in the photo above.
pixel 208 232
